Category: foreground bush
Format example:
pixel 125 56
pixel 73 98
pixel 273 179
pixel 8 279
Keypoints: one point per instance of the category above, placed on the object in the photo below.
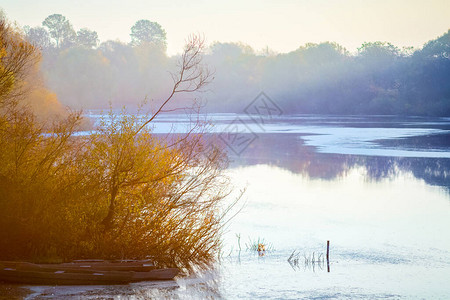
pixel 120 192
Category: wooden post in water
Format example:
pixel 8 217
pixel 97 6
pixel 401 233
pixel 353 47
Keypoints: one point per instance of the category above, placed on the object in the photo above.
pixel 328 256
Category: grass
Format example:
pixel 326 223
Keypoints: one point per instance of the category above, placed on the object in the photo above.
pixel 259 245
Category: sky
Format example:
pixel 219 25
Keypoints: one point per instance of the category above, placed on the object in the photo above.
pixel 281 25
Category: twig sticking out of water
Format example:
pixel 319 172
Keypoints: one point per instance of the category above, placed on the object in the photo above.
pixel 239 240
pixel 309 261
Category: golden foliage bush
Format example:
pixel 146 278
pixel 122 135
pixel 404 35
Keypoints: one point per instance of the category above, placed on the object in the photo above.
pixel 119 192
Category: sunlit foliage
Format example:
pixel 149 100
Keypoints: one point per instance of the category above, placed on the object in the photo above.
pixel 16 57
pixel 119 192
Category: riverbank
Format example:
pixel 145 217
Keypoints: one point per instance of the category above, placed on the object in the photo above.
pixel 13 291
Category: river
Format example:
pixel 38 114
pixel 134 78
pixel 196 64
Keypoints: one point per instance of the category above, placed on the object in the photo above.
pixel 377 188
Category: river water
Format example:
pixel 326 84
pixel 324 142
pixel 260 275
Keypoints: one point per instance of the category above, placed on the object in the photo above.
pixel 377 188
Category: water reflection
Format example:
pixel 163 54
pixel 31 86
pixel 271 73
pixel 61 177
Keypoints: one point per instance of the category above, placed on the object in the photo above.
pixel 285 207
pixel 289 151
pixel 382 221
pixel 203 285
pixel 313 261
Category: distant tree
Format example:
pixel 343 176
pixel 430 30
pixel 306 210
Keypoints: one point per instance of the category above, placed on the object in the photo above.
pixel 378 50
pixel 266 51
pixel 60 30
pixel 438 48
pixel 147 31
pixel 236 53
pixel 38 36
pixel 317 54
pixel 87 38
pixel 111 46
pixel 407 51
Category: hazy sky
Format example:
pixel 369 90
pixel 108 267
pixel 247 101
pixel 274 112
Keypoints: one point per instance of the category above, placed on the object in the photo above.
pixel 282 25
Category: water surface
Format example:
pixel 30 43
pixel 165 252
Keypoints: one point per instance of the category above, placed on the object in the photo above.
pixel 378 188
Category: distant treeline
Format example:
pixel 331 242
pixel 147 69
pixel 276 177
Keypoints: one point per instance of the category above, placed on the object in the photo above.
pixel 316 78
